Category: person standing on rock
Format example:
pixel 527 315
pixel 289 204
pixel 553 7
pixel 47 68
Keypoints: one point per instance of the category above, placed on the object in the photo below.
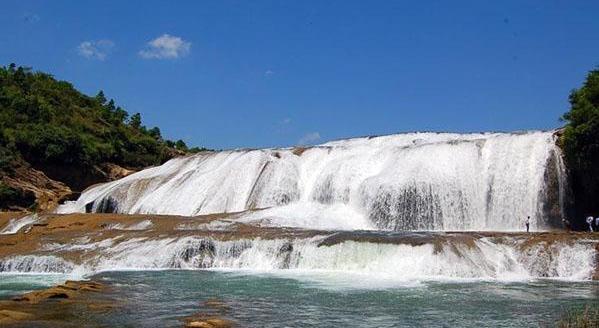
pixel 590 223
pixel 528 224
pixel 597 223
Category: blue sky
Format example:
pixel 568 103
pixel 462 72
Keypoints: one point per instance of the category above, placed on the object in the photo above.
pixel 228 74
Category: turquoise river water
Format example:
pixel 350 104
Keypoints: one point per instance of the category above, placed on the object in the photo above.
pixel 325 299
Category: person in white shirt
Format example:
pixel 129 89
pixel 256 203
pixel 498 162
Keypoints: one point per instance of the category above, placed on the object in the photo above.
pixel 590 223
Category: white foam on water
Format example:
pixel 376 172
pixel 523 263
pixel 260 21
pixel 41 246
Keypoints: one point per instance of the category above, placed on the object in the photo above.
pixel 14 225
pixel 216 225
pixel 348 264
pixel 485 260
pixel 141 225
pixel 567 261
pixel 313 216
pixel 327 279
pixel 81 244
pixel 35 264
pixel 413 181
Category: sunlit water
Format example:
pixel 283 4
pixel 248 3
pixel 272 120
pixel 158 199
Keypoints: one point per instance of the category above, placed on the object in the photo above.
pixel 293 299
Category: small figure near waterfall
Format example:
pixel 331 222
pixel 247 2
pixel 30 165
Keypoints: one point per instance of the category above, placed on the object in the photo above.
pixel 528 224
pixel 590 223
pixel 597 223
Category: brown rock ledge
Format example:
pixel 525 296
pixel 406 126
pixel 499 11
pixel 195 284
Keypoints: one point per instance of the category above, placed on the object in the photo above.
pixel 57 306
pixel 77 303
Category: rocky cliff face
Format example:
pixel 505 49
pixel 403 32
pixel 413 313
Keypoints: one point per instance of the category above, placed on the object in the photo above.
pixel 43 190
pixel 34 188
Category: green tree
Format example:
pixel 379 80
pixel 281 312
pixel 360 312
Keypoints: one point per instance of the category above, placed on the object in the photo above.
pixel 101 98
pixel 120 114
pixel 135 121
pixel 155 133
pixel 580 143
pixel 180 145
pixel 50 124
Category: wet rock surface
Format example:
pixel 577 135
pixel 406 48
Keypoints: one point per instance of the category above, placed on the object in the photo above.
pixel 212 314
pixel 87 303
pixel 69 304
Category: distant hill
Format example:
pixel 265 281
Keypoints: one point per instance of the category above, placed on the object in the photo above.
pixel 53 135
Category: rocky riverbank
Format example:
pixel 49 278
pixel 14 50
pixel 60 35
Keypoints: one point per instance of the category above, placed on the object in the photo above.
pixel 69 304
pixel 34 188
pixel 79 303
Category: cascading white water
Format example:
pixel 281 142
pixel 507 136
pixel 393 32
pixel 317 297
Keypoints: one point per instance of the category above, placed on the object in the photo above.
pixel 14 225
pixel 484 258
pixel 414 181
pixel 35 264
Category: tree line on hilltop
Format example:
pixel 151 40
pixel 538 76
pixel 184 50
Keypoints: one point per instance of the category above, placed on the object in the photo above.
pixel 48 123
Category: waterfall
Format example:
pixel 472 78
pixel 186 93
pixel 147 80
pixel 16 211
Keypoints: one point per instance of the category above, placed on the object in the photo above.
pixel 427 257
pixel 35 264
pixel 412 181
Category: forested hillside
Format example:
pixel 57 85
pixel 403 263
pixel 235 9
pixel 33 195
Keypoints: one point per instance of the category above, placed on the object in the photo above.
pixel 49 126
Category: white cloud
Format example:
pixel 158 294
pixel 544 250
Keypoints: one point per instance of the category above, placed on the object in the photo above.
pixel 286 120
pixel 268 73
pixel 309 138
pixel 166 47
pixel 99 49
